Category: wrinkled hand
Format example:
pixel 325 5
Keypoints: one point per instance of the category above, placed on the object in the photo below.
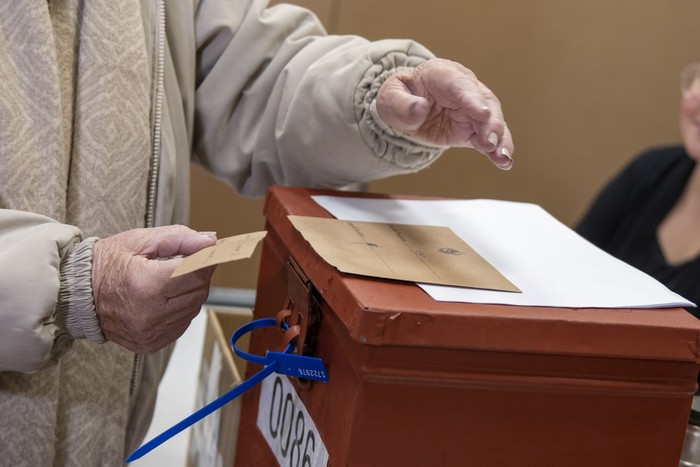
pixel 138 305
pixel 441 102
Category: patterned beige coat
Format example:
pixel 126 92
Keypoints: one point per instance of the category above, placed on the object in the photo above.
pixel 256 95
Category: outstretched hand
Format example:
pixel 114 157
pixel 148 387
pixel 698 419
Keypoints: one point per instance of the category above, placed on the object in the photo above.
pixel 138 304
pixel 443 103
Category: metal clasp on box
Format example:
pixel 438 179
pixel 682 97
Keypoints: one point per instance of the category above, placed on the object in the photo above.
pixel 301 313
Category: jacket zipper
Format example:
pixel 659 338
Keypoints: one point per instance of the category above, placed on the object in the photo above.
pixel 158 104
pixel 155 155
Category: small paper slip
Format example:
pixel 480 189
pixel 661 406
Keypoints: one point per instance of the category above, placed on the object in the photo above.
pixel 226 249
pixel 416 253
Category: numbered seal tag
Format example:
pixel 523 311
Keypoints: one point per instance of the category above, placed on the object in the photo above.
pixel 274 362
pixel 299 366
pixel 287 426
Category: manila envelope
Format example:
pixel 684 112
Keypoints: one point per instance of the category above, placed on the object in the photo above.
pixel 416 253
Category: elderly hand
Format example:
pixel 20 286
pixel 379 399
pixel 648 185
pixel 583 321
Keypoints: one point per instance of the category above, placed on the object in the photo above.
pixel 443 103
pixel 139 305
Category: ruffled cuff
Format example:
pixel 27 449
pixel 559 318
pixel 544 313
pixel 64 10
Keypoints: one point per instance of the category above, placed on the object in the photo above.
pixel 390 145
pixel 75 310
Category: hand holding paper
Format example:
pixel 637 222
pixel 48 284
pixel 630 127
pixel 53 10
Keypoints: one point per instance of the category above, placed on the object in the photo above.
pixel 138 304
pixel 149 283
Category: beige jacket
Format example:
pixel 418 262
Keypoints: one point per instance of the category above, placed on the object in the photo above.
pixel 256 95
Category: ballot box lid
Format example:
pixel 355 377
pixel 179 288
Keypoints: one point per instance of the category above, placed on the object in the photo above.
pixel 394 313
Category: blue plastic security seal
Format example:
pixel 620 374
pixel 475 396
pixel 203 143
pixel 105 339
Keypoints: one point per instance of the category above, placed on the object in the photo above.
pixel 285 363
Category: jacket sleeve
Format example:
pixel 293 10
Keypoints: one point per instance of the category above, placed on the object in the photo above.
pixel 280 102
pixel 45 290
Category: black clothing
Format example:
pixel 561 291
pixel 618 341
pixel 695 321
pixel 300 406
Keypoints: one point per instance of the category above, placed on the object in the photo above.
pixel 624 218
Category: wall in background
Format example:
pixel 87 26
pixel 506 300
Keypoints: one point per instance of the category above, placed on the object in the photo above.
pixel 585 86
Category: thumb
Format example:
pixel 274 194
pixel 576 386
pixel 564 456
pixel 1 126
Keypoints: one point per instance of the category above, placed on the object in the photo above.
pixel 194 243
pixel 398 108
pixel 176 240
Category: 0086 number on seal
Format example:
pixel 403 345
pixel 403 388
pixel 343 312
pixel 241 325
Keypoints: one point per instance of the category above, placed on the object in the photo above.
pixel 287 427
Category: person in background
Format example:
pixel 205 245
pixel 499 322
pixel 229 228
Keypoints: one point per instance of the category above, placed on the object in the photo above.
pixel 648 215
pixel 103 106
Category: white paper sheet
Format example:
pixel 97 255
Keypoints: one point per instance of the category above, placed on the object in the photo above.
pixel 550 263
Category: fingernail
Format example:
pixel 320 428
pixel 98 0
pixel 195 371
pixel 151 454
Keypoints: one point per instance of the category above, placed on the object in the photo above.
pixel 492 138
pixel 506 153
pixel 211 235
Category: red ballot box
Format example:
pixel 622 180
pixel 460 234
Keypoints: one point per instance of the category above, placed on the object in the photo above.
pixel 416 382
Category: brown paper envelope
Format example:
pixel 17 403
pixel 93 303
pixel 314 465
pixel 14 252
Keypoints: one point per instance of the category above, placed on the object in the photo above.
pixel 225 250
pixel 416 253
